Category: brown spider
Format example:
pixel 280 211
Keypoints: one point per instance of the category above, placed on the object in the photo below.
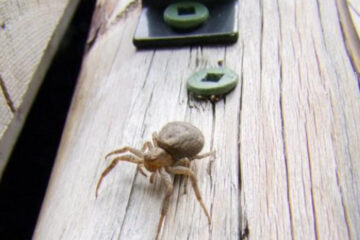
pixel 177 144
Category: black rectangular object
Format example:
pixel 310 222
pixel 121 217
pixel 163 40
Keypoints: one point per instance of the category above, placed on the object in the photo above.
pixel 220 27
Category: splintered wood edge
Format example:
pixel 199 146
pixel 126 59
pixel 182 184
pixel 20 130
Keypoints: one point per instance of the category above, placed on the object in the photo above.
pixel 354 9
pixel 12 128
pixel 351 36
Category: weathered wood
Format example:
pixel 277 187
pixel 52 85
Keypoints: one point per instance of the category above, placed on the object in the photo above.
pixel 349 29
pixel 287 138
pixel 354 9
pixel 30 31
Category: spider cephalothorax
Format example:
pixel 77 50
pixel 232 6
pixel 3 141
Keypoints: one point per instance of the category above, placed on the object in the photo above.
pixel 171 151
pixel 157 158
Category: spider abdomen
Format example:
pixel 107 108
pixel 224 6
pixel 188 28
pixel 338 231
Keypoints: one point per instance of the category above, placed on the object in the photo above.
pixel 181 139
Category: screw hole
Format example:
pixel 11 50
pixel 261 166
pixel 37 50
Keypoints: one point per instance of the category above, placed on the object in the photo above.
pixel 212 77
pixel 188 10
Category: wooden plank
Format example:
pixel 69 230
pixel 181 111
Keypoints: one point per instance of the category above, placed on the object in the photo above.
pixel 286 138
pixel 351 38
pixel 30 31
pixel 354 8
pixel 5 118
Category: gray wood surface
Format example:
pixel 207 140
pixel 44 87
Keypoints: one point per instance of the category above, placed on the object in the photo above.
pixel 30 32
pixel 287 138
pixel 354 9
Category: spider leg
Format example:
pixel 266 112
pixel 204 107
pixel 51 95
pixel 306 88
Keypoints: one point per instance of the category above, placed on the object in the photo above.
pixel 212 153
pixel 140 168
pixel 147 145
pixel 186 171
pixel 169 191
pixel 155 138
pixel 134 151
pixel 127 158
pixel 185 162
pixel 152 177
pixel 182 162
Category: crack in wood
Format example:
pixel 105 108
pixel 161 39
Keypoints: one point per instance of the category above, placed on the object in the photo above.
pixel 149 69
pixel 344 208
pixel 285 150
pixel 261 6
pixel 320 19
pixel 348 30
pixel 297 29
pixel 338 181
pixel 210 164
pixel 315 226
pixel 6 94
pixel 318 63
pixel 245 232
pixel 178 195
pixel 128 204
pixel 180 93
pixel 242 217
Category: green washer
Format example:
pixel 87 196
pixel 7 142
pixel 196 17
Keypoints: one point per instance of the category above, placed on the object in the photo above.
pixel 186 15
pixel 212 82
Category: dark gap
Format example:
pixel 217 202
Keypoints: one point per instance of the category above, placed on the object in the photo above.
pixel 186 10
pixel 212 77
pixel 24 182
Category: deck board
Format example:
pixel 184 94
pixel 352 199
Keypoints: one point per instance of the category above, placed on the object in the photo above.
pixel 354 9
pixel 286 138
pixel 30 32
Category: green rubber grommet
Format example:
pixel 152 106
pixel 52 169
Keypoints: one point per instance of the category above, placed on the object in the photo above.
pixel 212 82
pixel 186 15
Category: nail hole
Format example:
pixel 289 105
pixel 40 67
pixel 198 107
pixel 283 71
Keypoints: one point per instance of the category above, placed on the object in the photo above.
pixel 189 10
pixel 212 77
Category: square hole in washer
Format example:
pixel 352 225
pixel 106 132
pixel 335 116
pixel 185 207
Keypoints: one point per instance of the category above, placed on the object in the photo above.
pixel 186 10
pixel 212 77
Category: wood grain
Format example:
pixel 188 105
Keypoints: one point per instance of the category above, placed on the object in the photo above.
pixel 349 29
pixel 287 138
pixel 354 9
pixel 30 31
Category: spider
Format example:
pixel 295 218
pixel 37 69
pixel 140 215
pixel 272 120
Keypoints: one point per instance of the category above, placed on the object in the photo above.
pixel 170 152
